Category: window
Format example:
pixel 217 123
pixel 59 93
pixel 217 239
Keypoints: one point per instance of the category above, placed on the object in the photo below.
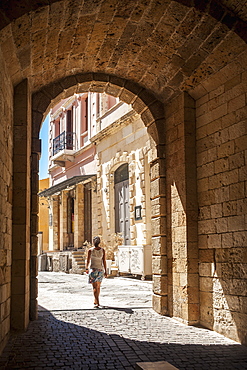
pixel 121 174
pixel 69 120
pixel 86 114
pixel 57 127
pixel 84 121
pixel 97 105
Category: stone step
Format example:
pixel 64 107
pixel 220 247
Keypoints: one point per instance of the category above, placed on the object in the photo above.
pixel 78 255
pixel 80 263
pixel 159 365
pixel 79 258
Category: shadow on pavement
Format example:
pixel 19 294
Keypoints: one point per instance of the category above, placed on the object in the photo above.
pixel 127 310
pixel 121 309
pixel 53 342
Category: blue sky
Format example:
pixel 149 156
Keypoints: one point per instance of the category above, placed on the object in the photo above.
pixel 43 163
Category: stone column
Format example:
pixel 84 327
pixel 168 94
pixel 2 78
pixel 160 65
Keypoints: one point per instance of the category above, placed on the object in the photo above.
pixel 95 211
pixel 183 289
pixel 36 150
pixel 158 225
pixel 79 216
pixel 56 221
pixel 20 281
pixel 63 221
pixel 191 209
pixel 35 156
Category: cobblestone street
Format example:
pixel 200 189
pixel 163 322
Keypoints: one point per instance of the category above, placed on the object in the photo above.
pixel 70 334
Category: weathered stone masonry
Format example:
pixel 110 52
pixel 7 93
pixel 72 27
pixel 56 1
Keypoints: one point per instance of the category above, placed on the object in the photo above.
pixel 221 183
pixel 20 284
pixel 182 210
pixel 6 193
pixel 182 65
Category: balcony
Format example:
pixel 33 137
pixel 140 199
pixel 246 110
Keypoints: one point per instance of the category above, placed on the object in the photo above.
pixel 63 148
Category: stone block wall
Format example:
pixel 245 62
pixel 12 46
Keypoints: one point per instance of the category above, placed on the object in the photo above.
pixel 201 41
pixel 222 192
pixel 207 273
pixel 24 262
pixel 6 144
pixel 182 251
pixel 159 232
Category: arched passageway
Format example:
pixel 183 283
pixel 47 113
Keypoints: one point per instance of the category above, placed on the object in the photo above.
pixel 182 66
pixel 151 111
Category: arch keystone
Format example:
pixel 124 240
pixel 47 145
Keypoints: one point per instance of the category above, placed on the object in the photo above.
pixel 84 77
pixel 100 77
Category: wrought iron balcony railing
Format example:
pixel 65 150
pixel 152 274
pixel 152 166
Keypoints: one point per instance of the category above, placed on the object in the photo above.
pixel 66 140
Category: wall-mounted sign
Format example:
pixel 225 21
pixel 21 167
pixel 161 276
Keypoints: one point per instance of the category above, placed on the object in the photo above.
pixel 138 212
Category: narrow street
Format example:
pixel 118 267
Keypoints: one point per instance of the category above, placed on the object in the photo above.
pixel 71 334
pixel 60 291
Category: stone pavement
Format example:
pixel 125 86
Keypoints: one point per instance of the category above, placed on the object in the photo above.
pixel 70 334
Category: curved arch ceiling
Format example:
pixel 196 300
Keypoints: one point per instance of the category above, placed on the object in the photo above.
pixel 13 9
pixel 165 46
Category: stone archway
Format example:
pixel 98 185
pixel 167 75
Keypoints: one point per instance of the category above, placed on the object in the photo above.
pixel 166 48
pixel 152 114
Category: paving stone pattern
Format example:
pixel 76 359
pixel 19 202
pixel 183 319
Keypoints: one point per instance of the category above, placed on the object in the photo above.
pixel 115 337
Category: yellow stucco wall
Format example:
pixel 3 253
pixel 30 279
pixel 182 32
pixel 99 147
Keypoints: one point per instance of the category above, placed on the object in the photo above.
pixel 44 215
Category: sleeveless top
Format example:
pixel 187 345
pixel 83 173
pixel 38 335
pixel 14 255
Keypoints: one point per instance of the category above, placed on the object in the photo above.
pixel 96 259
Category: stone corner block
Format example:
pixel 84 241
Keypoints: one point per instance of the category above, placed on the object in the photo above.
pixel 160 284
pixel 159 245
pixel 159 265
pixel 160 304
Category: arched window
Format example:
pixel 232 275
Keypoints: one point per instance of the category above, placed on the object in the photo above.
pixel 122 173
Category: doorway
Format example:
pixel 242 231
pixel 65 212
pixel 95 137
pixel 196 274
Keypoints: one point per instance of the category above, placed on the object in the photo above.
pixel 70 221
pixel 122 214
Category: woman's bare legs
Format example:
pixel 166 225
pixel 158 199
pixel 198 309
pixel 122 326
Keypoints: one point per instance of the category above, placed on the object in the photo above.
pixel 96 292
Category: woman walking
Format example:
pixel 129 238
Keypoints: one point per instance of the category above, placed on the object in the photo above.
pixel 96 260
